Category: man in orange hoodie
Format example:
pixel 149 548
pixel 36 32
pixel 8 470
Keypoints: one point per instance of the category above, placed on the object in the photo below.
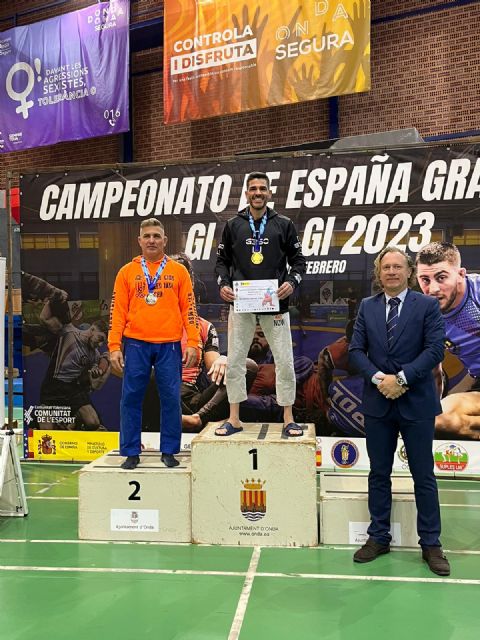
pixel 152 303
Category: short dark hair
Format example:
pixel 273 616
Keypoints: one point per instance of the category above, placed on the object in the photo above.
pixel 439 252
pixel 151 222
pixel 258 175
pixel 182 258
pixel 392 249
pixel 100 325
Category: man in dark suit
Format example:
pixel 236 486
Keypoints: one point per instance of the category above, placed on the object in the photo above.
pixel 397 340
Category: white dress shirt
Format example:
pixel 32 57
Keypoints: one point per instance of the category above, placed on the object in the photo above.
pixel 377 378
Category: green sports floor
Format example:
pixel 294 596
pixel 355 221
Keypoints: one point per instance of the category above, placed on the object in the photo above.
pixel 55 587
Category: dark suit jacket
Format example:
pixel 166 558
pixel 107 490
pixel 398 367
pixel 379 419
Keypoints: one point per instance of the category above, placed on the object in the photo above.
pixel 418 346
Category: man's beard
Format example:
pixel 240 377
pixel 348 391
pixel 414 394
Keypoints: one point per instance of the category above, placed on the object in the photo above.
pixel 450 303
pixel 257 352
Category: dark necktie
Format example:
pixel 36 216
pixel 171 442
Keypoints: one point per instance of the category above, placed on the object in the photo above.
pixel 392 319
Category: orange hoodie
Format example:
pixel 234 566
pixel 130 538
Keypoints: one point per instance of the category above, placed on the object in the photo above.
pixel 132 317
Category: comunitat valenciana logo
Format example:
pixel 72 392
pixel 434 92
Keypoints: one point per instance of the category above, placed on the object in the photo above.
pixel 105 16
pixel 27 415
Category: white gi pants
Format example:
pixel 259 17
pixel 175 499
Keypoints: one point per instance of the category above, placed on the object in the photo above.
pixel 241 329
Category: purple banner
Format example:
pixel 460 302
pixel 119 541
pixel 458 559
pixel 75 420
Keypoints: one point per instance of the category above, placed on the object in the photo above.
pixel 65 78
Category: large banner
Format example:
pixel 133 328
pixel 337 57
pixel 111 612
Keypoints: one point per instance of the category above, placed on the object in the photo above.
pixel 79 228
pixel 3 271
pixel 228 56
pixel 65 78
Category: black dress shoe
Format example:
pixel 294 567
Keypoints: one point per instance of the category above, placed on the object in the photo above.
pixel 436 560
pixel 370 551
pixel 131 462
pixel 169 461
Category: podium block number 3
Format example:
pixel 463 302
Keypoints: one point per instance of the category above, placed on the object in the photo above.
pixel 134 495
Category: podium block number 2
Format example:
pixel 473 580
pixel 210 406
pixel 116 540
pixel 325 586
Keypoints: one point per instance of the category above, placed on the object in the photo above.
pixel 134 495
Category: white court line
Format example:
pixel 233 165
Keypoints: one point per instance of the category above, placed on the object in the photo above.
pixel 11 540
pixel 174 572
pixel 250 574
pixel 463 506
pixel 332 576
pixel 47 485
pixel 460 490
pixel 244 596
pixel 470 480
pixel 52 498
pixel 50 485
pixel 473 552
pixel 393 549
pixel 127 542
pixel 54 464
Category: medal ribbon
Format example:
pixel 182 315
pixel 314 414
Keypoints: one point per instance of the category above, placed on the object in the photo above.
pixel 151 282
pixel 257 234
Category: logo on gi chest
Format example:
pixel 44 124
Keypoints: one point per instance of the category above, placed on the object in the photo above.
pixel 260 242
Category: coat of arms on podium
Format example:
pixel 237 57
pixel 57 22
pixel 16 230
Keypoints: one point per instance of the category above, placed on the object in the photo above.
pixel 253 500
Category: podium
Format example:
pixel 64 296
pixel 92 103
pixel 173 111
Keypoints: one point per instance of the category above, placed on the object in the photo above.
pixel 344 515
pixel 149 503
pixel 254 487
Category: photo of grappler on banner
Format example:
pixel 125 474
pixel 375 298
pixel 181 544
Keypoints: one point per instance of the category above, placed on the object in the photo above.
pixel 257 245
pixel 440 274
pixel 77 367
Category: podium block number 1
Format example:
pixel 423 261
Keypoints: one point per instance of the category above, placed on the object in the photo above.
pixel 253 453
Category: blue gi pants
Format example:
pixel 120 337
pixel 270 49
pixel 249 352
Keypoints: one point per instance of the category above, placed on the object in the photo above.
pixel 166 359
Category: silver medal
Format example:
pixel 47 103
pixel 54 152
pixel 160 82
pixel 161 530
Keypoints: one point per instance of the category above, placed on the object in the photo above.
pixel 151 298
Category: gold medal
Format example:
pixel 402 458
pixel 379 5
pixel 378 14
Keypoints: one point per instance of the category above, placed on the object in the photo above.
pixel 257 257
pixel 151 299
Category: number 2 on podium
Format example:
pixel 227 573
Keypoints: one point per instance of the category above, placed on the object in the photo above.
pixel 253 453
pixel 134 495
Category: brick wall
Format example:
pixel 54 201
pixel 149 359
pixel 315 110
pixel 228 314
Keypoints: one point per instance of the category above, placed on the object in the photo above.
pixel 425 73
pixel 383 8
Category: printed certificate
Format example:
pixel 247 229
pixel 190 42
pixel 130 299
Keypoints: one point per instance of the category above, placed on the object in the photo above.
pixel 252 296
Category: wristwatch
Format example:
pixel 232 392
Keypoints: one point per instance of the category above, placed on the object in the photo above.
pixel 400 380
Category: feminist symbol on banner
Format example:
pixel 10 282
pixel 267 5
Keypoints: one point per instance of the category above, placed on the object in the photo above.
pixel 19 96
